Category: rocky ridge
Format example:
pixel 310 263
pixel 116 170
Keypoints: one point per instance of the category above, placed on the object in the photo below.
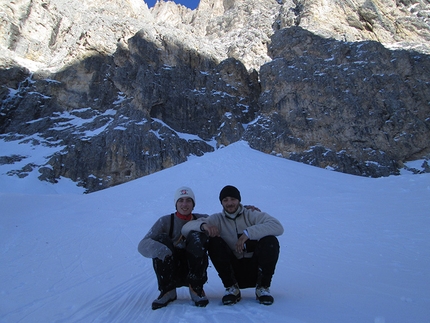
pixel 120 91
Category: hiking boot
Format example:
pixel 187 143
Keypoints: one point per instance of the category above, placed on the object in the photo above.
pixel 164 299
pixel 198 296
pixel 232 295
pixel 263 295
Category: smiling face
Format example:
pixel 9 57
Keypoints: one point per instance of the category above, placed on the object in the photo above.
pixel 230 204
pixel 185 205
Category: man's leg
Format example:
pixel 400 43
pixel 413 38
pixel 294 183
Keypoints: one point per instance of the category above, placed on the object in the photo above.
pixel 165 273
pixel 222 257
pixel 246 271
pixel 196 251
pixel 266 254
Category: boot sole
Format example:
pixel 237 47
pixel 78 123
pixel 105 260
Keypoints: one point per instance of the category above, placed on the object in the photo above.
pixel 202 303
pixel 264 301
pixel 156 306
pixel 231 302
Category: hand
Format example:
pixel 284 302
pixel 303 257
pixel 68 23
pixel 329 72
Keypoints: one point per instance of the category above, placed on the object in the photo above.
pixel 252 208
pixel 166 256
pixel 211 230
pixel 240 244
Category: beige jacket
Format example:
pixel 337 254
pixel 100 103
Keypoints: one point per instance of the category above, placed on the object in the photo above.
pixel 257 224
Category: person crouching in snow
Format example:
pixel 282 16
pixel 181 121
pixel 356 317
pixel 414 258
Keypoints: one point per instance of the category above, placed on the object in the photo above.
pixel 177 260
pixel 242 246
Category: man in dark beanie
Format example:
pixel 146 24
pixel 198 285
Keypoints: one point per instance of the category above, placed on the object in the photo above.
pixel 243 246
pixel 229 191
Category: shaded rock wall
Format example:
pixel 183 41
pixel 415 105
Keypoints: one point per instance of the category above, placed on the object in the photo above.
pixel 355 107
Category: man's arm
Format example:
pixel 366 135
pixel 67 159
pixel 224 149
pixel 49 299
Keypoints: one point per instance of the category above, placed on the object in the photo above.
pixel 211 230
pixel 193 225
pixel 265 225
pixel 150 248
pixel 201 224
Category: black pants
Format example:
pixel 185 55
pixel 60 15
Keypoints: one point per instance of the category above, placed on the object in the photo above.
pixel 246 272
pixel 186 266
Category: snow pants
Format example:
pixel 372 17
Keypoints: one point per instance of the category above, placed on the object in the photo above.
pixel 246 272
pixel 185 266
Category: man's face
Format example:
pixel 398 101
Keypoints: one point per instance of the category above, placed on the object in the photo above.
pixel 230 204
pixel 184 205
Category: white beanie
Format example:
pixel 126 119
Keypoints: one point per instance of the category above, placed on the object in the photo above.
pixel 184 192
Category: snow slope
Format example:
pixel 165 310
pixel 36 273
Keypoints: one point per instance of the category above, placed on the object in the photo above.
pixel 354 249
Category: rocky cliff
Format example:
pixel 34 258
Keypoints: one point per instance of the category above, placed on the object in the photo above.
pixel 118 91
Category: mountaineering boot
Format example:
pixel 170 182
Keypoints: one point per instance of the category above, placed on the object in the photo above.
pixel 232 295
pixel 198 296
pixel 263 295
pixel 164 299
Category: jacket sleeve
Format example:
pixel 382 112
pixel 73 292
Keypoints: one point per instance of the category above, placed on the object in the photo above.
pixel 149 247
pixel 193 225
pixel 263 225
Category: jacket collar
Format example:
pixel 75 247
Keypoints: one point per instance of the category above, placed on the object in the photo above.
pixel 233 216
pixel 184 217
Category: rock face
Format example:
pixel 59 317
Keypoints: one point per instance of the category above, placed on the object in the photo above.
pixel 119 91
pixel 51 34
pixel 352 107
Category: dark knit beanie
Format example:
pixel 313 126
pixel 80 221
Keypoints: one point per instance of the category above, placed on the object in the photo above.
pixel 229 191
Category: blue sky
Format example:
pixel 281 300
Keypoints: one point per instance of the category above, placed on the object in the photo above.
pixel 188 3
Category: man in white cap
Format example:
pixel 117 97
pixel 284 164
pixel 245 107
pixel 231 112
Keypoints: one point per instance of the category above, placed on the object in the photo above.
pixel 178 261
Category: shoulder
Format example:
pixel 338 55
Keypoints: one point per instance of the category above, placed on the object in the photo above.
pixel 216 216
pixel 254 214
pixel 250 212
pixel 198 215
pixel 164 219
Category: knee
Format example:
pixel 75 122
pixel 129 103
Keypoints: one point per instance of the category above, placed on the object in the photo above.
pixel 197 238
pixel 269 243
pixel 197 243
pixel 216 243
pixel 217 247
